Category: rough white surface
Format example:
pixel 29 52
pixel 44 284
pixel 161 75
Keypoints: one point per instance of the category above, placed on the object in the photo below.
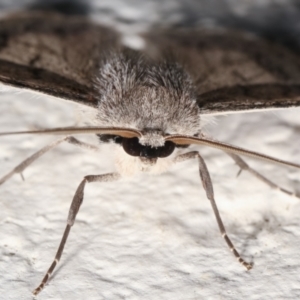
pixel 151 237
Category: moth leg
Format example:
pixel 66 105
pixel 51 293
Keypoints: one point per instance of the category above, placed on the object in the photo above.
pixel 74 208
pixel 208 187
pixel 28 161
pixel 80 144
pixel 245 167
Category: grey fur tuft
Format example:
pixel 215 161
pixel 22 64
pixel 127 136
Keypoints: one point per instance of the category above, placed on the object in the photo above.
pixel 140 93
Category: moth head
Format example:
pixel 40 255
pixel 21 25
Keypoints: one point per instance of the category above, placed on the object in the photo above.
pixel 149 146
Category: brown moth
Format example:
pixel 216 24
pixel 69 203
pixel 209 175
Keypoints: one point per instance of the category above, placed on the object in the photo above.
pixel 148 102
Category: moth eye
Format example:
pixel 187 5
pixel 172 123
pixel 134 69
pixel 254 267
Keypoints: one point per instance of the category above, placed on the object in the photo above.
pixel 167 149
pixel 132 146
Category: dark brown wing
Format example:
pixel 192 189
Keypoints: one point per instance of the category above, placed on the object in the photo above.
pixel 53 54
pixel 233 71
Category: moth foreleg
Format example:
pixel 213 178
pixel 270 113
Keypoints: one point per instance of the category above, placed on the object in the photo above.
pixel 245 167
pixel 28 161
pixel 208 187
pixel 74 208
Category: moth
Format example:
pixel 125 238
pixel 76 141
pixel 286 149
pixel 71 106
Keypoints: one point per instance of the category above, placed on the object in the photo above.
pixel 148 102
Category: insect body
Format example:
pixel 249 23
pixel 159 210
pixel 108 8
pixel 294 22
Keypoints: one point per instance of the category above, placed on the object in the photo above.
pixel 149 102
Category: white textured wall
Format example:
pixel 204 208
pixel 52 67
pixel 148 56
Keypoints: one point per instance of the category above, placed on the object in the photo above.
pixel 148 237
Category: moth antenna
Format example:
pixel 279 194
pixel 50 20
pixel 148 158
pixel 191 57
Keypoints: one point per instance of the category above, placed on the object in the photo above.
pixel 123 132
pixel 183 140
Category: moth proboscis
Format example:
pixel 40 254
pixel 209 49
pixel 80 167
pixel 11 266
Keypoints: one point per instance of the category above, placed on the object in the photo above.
pixel 149 102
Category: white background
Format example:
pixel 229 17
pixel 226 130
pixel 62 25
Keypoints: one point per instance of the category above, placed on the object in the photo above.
pixel 150 237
